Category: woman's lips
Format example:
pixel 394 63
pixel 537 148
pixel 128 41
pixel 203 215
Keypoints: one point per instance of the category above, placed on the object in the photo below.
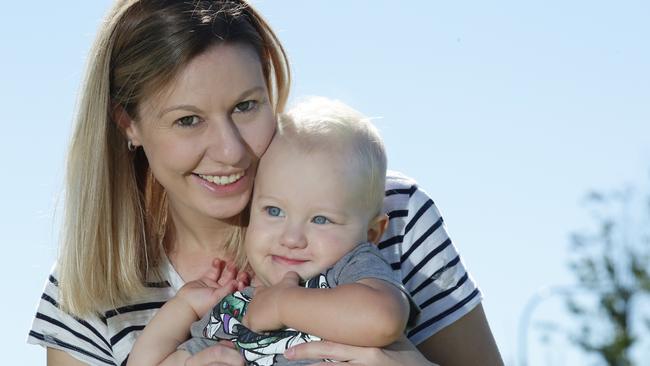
pixel 222 180
pixel 224 185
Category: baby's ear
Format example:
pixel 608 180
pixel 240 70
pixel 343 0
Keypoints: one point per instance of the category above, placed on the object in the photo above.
pixel 376 228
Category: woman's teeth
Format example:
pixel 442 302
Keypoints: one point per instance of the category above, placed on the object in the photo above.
pixel 222 179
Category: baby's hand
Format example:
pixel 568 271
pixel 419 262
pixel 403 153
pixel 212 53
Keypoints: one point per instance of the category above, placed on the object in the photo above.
pixel 220 280
pixel 263 312
pixel 200 297
pixel 222 273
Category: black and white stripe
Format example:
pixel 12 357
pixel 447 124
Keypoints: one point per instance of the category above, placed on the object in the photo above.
pixel 417 245
pixel 104 339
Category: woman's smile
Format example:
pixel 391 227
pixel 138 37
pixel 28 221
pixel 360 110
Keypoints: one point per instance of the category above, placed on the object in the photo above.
pixel 222 180
pixel 223 185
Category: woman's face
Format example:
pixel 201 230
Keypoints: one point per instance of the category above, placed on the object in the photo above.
pixel 204 134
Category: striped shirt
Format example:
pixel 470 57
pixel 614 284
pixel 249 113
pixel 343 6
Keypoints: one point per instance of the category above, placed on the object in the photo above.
pixel 415 243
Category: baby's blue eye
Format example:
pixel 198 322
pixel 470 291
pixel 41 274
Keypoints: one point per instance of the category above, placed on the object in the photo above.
pixel 321 220
pixel 274 211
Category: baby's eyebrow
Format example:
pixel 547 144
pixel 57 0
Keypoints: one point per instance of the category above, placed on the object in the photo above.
pixel 266 198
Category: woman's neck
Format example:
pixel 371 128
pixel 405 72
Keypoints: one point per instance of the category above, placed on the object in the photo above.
pixel 194 240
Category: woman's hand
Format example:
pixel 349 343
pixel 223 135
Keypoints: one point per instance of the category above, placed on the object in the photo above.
pixel 222 354
pixel 400 353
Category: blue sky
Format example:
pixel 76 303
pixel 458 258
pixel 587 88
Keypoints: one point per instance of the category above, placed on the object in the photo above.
pixel 506 112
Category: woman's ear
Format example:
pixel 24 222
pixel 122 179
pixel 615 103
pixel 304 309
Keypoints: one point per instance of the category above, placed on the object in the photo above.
pixel 126 124
pixel 377 227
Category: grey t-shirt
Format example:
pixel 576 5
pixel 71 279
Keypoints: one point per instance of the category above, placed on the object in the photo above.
pixel 262 349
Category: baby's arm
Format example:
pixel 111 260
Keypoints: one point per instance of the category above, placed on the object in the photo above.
pixel 157 343
pixel 369 312
pixel 168 328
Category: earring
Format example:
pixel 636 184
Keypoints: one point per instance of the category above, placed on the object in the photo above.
pixel 130 146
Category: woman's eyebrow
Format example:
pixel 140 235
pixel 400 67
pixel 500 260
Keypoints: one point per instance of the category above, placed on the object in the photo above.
pixel 194 109
pixel 251 91
pixel 185 107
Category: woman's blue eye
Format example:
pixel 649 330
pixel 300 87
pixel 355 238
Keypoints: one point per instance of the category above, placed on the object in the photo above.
pixel 321 220
pixel 274 211
pixel 245 106
pixel 188 121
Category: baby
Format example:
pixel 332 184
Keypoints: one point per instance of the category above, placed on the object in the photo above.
pixel 316 211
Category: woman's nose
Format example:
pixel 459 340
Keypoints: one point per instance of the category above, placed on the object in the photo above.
pixel 293 237
pixel 225 143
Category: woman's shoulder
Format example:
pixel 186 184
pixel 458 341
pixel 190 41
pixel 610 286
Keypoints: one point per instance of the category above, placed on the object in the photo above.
pixel 84 338
pixel 397 180
pixel 418 247
pixel 105 337
pixel 404 193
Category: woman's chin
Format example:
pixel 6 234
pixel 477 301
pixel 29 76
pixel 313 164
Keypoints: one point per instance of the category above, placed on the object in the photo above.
pixel 228 209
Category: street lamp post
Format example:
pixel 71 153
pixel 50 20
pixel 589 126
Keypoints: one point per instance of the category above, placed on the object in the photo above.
pixel 524 321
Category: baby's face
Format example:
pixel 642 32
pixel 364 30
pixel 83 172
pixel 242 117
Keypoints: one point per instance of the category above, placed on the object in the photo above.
pixel 306 213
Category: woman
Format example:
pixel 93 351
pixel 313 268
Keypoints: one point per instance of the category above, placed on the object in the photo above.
pixel 178 105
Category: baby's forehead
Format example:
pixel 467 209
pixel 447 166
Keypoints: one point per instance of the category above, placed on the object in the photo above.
pixel 331 154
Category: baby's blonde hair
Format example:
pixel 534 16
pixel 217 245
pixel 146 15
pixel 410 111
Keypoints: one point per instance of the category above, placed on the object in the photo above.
pixel 322 124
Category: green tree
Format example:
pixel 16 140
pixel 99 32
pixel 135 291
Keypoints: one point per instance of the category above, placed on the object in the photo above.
pixel 611 263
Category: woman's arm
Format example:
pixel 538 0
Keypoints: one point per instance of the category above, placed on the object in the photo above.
pixel 56 357
pixel 467 341
pixel 400 353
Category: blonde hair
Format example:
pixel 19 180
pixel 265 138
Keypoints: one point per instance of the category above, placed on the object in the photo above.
pixel 115 210
pixel 322 124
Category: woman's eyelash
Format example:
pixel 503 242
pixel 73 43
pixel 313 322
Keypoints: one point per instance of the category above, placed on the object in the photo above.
pixel 187 121
pixel 242 107
pixel 246 106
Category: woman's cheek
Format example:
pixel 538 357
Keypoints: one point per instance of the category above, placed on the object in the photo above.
pixel 259 135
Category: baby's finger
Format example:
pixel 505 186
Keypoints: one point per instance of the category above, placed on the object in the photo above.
pixel 243 280
pixel 243 276
pixel 228 273
pixel 241 286
pixel 216 262
pixel 214 272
